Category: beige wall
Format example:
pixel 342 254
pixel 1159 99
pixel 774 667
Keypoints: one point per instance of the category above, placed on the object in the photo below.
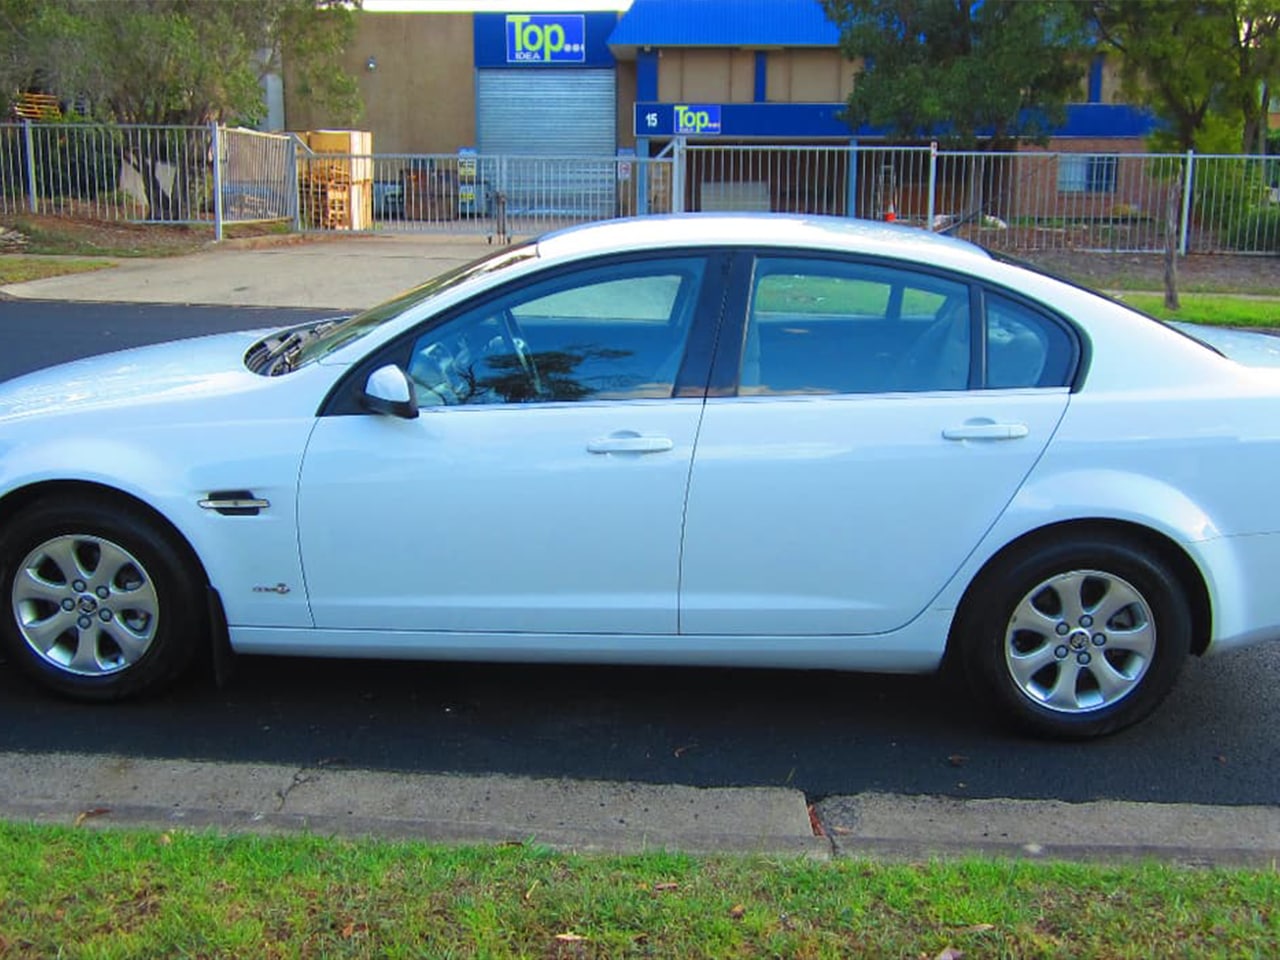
pixel 626 75
pixel 808 76
pixel 421 97
pixel 705 75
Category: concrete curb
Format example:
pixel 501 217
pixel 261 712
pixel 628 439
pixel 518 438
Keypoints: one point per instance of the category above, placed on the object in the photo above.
pixel 590 816
pixel 105 791
pixel 874 824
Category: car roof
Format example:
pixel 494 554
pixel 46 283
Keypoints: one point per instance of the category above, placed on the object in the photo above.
pixel 761 229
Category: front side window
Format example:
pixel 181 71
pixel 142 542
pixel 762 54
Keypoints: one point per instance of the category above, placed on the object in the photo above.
pixel 818 326
pixel 605 333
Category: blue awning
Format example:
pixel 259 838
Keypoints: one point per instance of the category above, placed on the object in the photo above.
pixel 725 23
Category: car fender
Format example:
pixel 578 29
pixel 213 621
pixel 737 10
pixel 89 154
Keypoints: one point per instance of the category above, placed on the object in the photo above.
pixel 1089 495
pixel 252 560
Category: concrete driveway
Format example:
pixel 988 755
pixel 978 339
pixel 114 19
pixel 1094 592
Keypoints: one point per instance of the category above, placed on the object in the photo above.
pixel 347 273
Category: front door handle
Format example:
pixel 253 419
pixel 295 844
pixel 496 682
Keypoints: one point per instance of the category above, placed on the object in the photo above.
pixel 986 430
pixel 629 443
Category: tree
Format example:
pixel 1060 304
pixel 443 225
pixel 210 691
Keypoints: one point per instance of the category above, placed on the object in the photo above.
pixel 1195 61
pixel 176 63
pixel 969 72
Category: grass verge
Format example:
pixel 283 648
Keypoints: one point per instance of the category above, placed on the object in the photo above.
pixel 68 236
pixel 78 893
pixel 19 268
pixel 1217 310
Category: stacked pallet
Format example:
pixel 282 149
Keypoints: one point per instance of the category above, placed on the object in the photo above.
pixel 37 106
pixel 337 193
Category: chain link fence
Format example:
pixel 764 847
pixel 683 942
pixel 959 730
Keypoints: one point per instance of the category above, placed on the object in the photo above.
pixel 1024 201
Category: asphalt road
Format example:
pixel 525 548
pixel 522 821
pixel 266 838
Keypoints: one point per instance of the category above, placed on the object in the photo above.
pixel 1213 741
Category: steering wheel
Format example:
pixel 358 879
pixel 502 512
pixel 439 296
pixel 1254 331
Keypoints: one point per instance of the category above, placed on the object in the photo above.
pixel 520 348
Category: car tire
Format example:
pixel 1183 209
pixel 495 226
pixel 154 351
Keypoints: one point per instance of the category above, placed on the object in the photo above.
pixel 1077 638
pixel 100 602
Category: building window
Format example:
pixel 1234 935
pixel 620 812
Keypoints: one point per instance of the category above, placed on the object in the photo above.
pixel 1085 173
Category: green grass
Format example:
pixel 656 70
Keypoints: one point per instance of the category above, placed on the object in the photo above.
pixel 19 268
pixel 107 894
pixel 1218 310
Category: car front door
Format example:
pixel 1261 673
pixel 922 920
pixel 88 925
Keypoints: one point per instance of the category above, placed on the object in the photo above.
pixel 880 418
pixel 541 489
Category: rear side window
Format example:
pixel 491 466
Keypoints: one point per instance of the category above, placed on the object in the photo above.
pixel 1024 347
pixel 825 326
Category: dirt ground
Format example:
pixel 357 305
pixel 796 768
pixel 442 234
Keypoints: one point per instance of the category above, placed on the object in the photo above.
pixel 1203 273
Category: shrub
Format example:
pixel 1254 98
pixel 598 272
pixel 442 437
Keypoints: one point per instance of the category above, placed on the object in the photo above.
pixel 1257 231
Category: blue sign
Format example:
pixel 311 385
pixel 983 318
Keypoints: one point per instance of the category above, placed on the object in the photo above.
pixel 800 120
pixel 546 38
pixel 698 119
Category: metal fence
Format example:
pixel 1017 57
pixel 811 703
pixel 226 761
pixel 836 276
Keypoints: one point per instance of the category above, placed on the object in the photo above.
pixel 146 174
pixel 463 193
pixel 1022 201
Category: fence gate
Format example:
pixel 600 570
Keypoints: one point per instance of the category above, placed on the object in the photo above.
pixel 497 196
pixel 256 176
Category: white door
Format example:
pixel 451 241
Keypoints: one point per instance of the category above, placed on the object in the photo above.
pixel 541 490
pixel 869 448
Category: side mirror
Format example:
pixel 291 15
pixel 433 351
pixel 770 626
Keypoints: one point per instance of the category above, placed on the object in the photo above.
pixel 389 391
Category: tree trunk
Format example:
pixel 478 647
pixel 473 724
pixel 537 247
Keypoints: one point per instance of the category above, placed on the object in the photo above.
pixel 1263 120
pixel 1173 212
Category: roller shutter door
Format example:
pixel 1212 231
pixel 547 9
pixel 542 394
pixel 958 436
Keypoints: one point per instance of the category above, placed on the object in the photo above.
pixel 523 115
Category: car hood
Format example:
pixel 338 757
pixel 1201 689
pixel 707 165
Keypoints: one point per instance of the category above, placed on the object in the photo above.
pixel 1251 348
pixel 163 373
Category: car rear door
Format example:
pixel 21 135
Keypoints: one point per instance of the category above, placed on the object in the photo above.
pixel 874 420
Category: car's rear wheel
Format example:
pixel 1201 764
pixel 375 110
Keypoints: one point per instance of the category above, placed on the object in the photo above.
pixel 101 601
pixel 1077 638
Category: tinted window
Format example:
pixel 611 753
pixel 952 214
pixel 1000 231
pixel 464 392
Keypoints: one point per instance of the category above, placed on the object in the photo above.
pixel 818 326
pixel 1024 348
pixel 607 333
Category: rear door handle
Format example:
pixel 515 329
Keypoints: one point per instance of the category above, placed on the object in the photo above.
pixel 629 443
pixel 986 431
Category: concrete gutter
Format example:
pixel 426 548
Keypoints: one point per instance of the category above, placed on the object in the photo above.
pixel 105 791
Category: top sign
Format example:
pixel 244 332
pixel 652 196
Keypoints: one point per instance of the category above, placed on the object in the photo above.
pixel 546 38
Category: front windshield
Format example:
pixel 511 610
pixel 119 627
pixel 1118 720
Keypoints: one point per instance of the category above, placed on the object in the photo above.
pixel 346 331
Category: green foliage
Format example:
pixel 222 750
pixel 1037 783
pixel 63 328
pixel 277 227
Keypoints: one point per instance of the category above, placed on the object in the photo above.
pixel 1195 60
pixel 176 61
pixel 1217 135
pixel 1226 192
pixel 1256 230
pixel 961 71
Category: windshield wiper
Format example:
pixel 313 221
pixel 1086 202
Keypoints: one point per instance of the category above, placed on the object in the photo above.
pixel 281 358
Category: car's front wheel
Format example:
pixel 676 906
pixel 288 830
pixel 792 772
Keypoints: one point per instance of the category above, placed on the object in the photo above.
pixel 101 601
pixel 1076 638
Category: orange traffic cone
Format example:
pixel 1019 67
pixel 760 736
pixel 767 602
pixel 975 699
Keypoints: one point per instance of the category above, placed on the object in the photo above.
pixel 891 214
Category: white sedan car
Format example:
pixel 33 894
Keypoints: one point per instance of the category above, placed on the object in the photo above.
pixel 758 441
